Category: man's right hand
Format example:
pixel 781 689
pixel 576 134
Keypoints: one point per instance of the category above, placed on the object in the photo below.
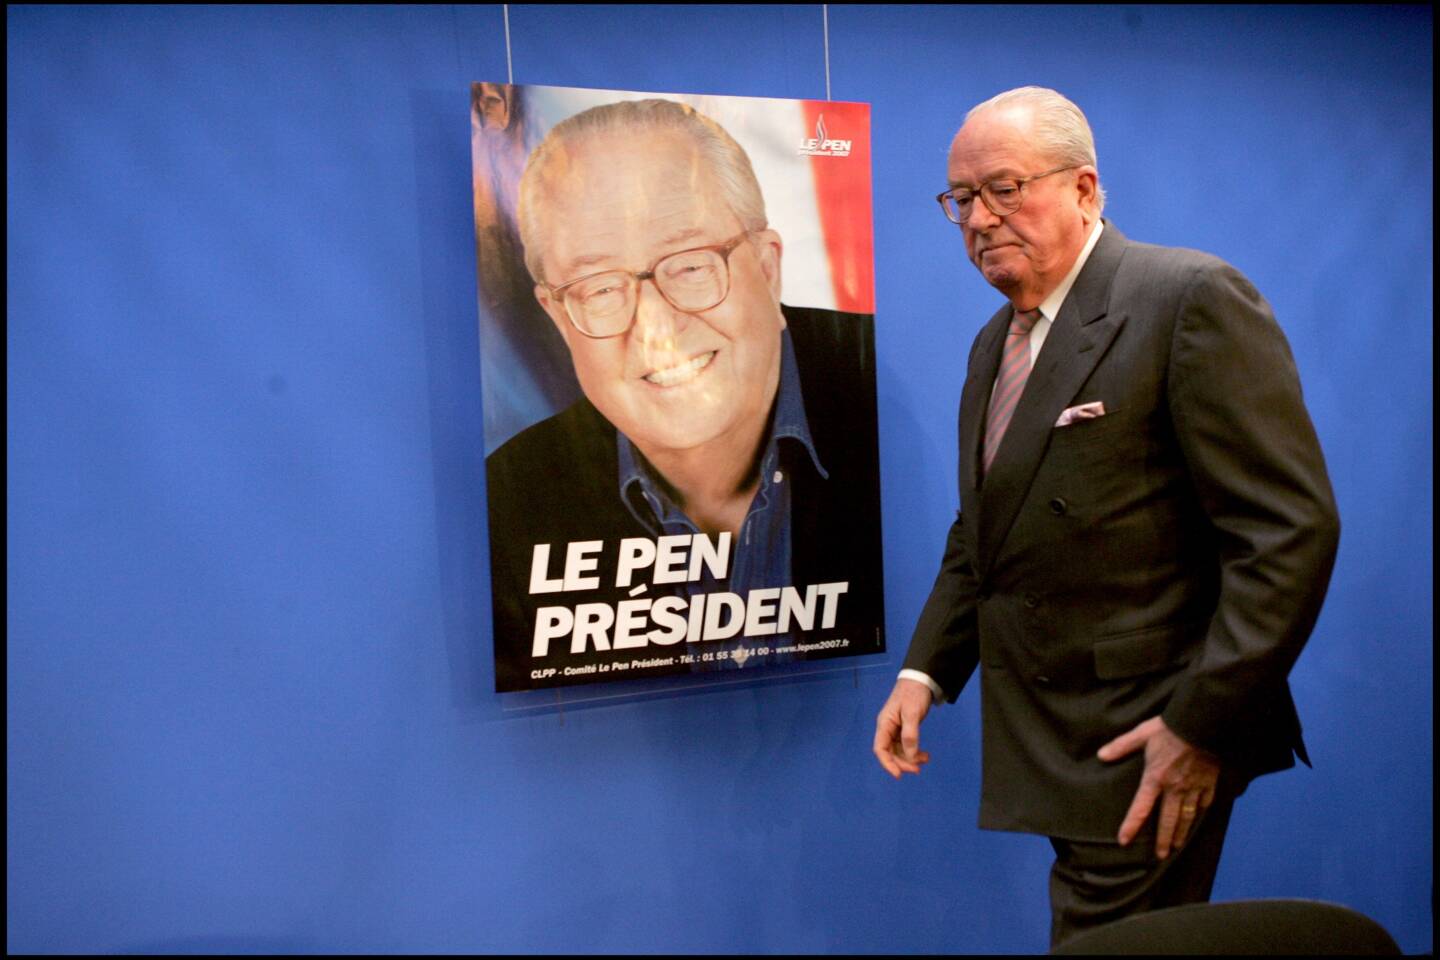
pixel 897 729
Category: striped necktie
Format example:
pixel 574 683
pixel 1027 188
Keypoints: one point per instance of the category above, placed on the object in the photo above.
pixel 1014 369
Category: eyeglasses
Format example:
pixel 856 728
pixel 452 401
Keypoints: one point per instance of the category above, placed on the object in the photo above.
pixel 1003 196
pixel 604 304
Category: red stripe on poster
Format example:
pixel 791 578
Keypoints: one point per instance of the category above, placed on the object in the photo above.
pixel 838 143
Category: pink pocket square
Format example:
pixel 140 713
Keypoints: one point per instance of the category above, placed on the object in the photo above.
pixel 1086 411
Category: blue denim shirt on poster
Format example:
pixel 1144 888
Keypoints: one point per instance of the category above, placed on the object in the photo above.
pixel 760 554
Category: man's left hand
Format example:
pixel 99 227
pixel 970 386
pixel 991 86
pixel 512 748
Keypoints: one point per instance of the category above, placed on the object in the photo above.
pixel 1180 776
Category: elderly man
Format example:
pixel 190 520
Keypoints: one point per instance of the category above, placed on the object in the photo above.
pixel 709 412
pixel 1146 537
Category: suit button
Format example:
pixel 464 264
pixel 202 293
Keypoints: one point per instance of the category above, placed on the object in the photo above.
pixel 1058 507
pixel 1032 601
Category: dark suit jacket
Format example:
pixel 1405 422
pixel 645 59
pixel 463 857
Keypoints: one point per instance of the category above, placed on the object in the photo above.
pixel 558 482
pixel 1169 557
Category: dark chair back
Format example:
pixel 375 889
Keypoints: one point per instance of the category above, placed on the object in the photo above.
pixel 1283 927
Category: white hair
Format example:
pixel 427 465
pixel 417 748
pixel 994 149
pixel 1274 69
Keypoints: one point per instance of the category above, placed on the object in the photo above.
pixel 1061 130
pixel 723 157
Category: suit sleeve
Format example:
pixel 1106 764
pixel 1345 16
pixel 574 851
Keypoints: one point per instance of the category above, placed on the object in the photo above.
pixel 1256 465
pixel 945 645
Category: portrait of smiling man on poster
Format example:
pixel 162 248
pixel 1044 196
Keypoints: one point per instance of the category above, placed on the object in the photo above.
pixel 711 500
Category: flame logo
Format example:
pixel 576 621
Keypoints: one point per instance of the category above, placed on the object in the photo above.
pixel 820 128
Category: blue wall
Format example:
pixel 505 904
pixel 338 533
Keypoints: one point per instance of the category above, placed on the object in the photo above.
pixel 248 699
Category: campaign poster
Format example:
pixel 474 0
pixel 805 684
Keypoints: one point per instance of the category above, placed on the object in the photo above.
pixel 677 349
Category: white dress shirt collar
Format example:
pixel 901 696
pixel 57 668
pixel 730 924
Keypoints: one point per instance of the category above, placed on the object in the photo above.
pixel 1050 306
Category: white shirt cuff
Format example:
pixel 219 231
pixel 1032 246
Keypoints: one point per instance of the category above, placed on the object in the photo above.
pixel 924 678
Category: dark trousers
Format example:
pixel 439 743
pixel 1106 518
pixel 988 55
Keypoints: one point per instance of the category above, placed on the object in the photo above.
pixel 1094 883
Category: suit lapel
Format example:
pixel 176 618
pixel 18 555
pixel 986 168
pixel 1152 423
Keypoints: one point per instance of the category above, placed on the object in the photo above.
pixel 1077 340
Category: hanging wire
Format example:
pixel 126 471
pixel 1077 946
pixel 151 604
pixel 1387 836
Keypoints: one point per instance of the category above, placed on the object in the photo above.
pixel 509 70
pixel 825 11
